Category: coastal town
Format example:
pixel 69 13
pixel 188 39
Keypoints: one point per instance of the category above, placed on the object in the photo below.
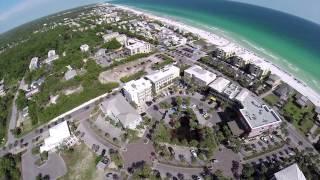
pixel 123 94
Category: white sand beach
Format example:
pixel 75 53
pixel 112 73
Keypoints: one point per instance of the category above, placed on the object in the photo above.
pixel 230 46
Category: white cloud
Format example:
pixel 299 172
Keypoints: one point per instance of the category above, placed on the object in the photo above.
pixel 20 7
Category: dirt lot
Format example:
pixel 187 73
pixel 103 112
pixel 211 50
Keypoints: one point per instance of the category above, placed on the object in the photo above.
pixel 130 68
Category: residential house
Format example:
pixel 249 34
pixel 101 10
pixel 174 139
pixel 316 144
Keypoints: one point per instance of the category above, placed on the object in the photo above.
pixel 118 109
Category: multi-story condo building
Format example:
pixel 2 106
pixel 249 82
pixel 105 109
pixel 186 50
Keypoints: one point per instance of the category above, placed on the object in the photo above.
pixel 163 78
pixel 199 75
pixel 135 46
pixel 138 91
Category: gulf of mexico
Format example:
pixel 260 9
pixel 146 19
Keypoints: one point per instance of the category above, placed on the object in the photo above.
pixel 288 41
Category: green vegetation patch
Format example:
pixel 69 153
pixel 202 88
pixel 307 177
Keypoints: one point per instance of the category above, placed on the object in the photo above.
pixel 271 99
pixel 112 44
pixel 9 167
pixel 134 76
pixel 301 118
pixel 166 60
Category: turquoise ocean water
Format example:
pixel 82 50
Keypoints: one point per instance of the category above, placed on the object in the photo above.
pixel 288 41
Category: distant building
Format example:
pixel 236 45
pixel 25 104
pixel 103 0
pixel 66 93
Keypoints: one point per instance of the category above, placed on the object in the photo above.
pixel 34 64
pixel 70 74
pixel 255 70
pixel 256 116
pixel 118 109
pixel 121 38
pixel 52 56
pixel 2 88
pixel 138 91
pixel 57 135
pixel 219 53
pixel 84 48
pixel 199 75
pixel 291 172
pixel 136 47
pixel 163 78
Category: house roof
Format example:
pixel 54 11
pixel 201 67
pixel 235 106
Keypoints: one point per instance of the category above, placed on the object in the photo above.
pixel 219 84
pixel 201 73
pixel 292 172
pixel 120 108
pixel 58 134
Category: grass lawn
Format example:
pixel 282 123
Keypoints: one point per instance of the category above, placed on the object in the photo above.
pixel 301 118
pixel 81 163
pixel 271 99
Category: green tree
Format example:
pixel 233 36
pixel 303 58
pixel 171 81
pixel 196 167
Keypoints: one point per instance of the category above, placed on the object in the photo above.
pixel 113 44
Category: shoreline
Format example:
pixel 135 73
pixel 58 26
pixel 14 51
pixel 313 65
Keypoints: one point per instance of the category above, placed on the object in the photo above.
pixel 231 45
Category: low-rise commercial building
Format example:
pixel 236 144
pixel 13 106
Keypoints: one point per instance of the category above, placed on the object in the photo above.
pixel 57 135
pixel 255 115
pixel 118 109
pixel 163 78
pixel 138 91
pixel 199 75
pixel 219 85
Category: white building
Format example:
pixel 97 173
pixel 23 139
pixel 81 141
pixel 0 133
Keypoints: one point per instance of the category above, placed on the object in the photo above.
pixel 57 134
pixel 34 64
pixel 110 36
pixel 118 109
pixel 70 74
pixel 163 78
pixel 199 75
pixel 220 84
pixel 138 91
pixel 52 56
pixel 136 47
pixel 84 48
pixel 255 115
pixel 2 88
pixel 292 172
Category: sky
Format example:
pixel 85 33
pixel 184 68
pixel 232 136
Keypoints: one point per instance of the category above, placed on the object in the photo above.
pixel 17 12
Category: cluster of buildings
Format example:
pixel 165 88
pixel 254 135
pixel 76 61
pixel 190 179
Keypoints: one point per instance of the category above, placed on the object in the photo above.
pixel 255 116
pixel 135 94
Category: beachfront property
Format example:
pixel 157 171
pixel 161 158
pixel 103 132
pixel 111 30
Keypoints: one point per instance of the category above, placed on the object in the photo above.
pixel 255 116
pixel 291 172
pixel 283 91
pixel 138 91
pixel 34 64
pixel 52 56
pixel 273 81
pixel 57 135
pixel 135 46
pixel 119 110
pixel 163 78
pixel 84 48
pixel 199 76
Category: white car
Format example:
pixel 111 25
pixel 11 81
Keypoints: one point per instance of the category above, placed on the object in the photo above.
pixel 193 153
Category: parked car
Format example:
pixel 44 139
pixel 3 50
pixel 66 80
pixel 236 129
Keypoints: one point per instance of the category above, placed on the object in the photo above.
pixel 193 153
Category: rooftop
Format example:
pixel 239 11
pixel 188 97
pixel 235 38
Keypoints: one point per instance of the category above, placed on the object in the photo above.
pixel 255 112
pixel 232 90
pixel 137 85
pixel 162 73
pixel 220 84
pixel 120 108
pixel 201 73
pixel 292 172
pixel 58 134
